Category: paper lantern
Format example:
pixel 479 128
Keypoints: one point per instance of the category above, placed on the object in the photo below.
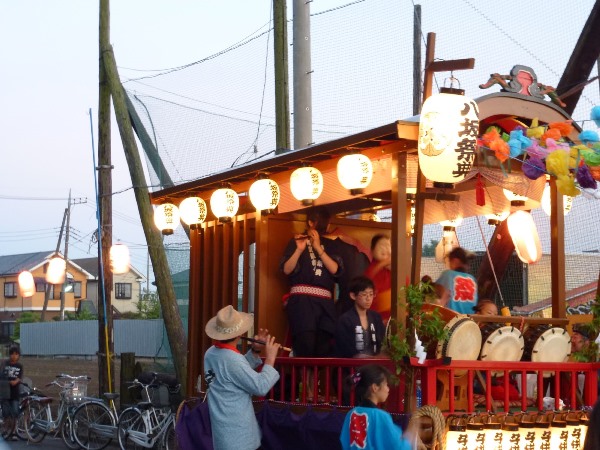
pixel 26 284
pixel 497 218
pixel 119 258
pixel 448 132
pixel 264 195
pixel 456 436
pixel 547 205
pixel 224 204
pixel 56 271
pixel 524 235
pixel 166 218
pixel 575 429
pixel 514 198
pixel 193 211
pixel 355 172
pixel 306 184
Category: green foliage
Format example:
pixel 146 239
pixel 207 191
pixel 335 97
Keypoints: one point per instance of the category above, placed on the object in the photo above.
pixel 589 353
pixel 84 314
pixel 148 307
pixel 429 326
pixel 429 249
pixel 26 317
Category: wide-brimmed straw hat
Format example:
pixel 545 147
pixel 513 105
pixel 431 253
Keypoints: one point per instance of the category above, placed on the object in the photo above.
pixel 228 324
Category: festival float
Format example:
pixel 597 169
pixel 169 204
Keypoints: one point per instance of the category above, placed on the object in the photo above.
pixel 495 156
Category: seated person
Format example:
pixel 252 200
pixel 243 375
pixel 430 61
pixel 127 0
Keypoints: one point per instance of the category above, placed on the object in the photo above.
pixel 379 271
pixel 359 332
pixel 456 287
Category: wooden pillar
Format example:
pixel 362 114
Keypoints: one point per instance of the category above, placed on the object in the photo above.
pixel 557 246
pixel 196 320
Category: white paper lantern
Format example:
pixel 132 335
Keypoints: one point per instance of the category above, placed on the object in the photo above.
pixel 119 258
pixel 306 184
pixel 355 172
pixel 514 198
pixel 166 218
pixel 56 271
pixel 26 284
pixel 497 218
pixel 547 206
pixel 264 195
pixel 193 211
pixel 448 132
pixel 524 235
pixel 224 204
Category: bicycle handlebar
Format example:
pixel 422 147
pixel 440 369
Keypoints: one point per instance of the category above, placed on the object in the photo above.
pixel 70 377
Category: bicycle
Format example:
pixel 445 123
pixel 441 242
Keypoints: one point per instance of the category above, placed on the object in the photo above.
pixel 151 420
pixel 95 423
pixel 38 419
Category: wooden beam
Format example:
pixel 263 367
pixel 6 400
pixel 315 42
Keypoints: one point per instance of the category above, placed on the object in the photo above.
pixel 582 60
pixel 557 246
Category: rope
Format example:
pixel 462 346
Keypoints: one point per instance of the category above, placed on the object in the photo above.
pixel 438 424
pixel 487 251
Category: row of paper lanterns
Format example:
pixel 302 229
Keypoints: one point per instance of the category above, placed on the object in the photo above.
pixel 355 172
pixel 57 269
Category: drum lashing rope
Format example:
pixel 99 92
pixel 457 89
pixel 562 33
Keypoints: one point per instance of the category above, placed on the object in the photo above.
pixel 487 251
pixel 438 424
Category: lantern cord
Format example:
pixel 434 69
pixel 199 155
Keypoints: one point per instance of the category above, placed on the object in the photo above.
pixel 100 259
pixel 487 251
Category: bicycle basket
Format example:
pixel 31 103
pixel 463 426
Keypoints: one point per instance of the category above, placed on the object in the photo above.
pixel 76 392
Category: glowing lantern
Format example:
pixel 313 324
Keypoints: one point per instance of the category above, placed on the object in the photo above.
pixel 559 432
pixel 575 429
pixel 547 206
pixel 457 437
pixel 193 211
pixel 448 137
pixel 264 195
pixel 224 204
pixel 26 284
pixel 56 271
pixel 413 219
pixel 525 237
pixel 166 218
pixel 119 259
pixel 475 433
pixel 496 219
pixel 355 172
pixel 514 198
pixel 306 184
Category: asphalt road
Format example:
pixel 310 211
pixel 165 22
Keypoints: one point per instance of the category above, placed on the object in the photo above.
pixel 50 443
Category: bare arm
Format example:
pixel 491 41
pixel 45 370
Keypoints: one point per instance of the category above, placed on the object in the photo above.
pixel 290 264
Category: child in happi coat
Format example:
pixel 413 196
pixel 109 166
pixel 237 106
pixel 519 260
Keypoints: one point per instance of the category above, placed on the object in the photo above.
pixel 367 427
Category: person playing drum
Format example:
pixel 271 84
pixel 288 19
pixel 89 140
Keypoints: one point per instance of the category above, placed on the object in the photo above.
pixel 485 307
pixel 457 288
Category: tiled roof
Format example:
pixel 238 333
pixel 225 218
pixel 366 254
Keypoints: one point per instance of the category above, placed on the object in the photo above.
pixel 13 264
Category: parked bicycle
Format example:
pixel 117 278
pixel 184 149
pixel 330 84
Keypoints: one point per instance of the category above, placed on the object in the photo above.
pixel 152 420
pixel 38 418
pixel 95 423
pixel 16 427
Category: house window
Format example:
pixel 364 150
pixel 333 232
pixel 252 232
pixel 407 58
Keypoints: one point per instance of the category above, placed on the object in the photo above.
pixel 40 286
pixel 55 293
pixel 123 291
pixel 77 289
pixel 10 289
pixel 7 329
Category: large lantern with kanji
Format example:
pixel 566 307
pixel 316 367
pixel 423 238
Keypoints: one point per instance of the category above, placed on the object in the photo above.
pixel 448 131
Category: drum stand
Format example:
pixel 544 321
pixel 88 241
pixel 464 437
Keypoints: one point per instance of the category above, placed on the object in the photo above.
pixel 461 386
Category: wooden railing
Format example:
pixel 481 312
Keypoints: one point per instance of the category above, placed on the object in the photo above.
pixel 438 376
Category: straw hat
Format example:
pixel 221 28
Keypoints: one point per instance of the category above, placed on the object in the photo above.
pixel 228 324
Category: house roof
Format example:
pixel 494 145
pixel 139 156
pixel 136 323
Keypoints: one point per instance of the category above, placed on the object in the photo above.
pixel 90 265
pixel 13 264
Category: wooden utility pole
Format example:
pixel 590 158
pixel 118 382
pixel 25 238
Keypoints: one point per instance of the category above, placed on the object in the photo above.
pixel 166 293
pixel 282 98
pixel 63 290
pixel 47 293
pixel 105 282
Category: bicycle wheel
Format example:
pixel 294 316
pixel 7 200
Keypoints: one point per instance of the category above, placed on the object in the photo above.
pixel 170 439
pixel 66 432
pixel 130 420
pixel 7 427
pixel 35 416
pixel 20 429
pixel 93 425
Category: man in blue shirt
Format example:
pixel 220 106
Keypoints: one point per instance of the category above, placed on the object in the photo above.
pixel 458 288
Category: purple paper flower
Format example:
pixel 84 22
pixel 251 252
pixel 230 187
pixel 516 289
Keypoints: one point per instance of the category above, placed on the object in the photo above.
pixel 533 167
pixel 584 177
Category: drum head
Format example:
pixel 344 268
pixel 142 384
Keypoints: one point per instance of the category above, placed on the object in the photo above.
pixel 501 343
pixel 464 340
pixel 553 345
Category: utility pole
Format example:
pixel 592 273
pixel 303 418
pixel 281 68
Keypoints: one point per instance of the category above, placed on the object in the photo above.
pixel 47 293
pixel 105 282
pixel 302 75
pixel 282 98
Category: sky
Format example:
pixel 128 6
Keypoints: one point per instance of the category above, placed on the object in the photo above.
pixel 49 82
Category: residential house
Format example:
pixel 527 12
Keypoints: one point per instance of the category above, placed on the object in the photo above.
pixel 12 304
pixel 127 287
